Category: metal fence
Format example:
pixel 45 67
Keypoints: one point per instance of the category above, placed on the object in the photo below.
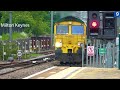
pixel 104 55
pixel 32 44
pixel 26 46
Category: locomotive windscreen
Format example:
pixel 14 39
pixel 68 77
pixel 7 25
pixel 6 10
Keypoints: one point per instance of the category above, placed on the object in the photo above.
pixel 62 29
pixel 77 29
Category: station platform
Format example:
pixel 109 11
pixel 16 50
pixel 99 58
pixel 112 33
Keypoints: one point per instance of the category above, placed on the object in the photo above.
pixel 96 73
pixel 65 72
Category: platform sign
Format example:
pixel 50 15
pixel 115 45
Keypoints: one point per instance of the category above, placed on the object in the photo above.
pixel 4 53
pixel 102 51
pixel 116 14
pixel 19 53
pixel 90 50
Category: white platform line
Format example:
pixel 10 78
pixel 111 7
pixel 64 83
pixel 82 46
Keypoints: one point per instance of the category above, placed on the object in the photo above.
pixel 28 77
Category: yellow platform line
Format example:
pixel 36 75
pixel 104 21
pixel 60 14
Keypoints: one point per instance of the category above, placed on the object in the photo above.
pixel 73 74
pixel 63 73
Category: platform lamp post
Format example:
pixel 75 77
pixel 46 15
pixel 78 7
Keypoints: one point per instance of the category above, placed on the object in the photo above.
pixel 51 29
pixel 18 46
pixel 10 28
pixel 4 53
pixel 10 22
pixel 3 46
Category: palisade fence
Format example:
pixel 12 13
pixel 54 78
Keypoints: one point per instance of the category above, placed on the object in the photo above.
pixel 105 54
pixel 27 46
pixel 10 48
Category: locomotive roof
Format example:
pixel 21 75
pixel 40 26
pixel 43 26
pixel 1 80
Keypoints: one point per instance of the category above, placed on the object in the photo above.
pixel 70 18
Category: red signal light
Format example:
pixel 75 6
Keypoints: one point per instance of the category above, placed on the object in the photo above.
pixel 94 24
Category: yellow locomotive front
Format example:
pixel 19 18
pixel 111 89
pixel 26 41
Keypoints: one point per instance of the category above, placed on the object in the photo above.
pixel 69 36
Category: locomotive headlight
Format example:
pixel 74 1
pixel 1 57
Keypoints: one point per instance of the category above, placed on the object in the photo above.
pixel 58 44
pixel 79 43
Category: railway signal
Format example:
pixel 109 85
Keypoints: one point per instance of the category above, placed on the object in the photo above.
pixel 109 26
pixel 93 23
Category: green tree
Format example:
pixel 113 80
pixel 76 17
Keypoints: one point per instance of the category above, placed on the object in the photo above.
pixel 39 20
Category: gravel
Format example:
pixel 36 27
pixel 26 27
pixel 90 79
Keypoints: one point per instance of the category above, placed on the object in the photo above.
pixel 6 70
pixel 19 74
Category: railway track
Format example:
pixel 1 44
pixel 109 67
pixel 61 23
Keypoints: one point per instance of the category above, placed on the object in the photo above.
pixel 47 52
pixel 47 57
pixel 26 64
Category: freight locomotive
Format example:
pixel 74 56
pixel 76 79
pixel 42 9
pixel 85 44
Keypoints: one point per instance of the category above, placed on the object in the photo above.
pixel 69 37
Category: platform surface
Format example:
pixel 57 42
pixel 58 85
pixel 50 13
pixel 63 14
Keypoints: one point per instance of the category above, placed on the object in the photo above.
pixel 96 73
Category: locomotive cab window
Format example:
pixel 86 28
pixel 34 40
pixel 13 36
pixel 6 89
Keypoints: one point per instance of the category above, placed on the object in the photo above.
pixel 77 29
pixel 62 29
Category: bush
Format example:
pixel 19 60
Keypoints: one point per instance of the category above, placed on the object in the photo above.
pixel 15 36
pixel 9 48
